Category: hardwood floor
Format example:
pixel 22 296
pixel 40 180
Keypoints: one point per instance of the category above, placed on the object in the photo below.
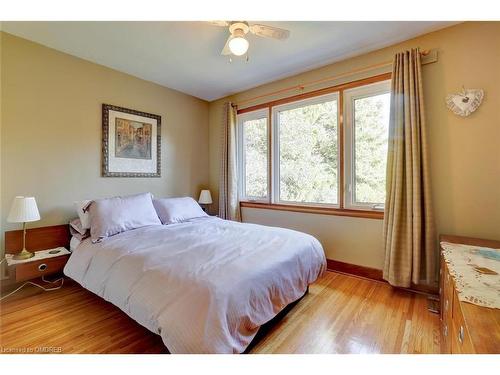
pixel 340 314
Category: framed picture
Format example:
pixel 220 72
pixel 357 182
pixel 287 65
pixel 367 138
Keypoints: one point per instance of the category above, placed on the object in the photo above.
pixel 131 143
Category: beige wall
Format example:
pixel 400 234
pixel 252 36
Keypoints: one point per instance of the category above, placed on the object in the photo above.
pixel 1 101
pixel 50 137
pixel 464 152
pixel 51 131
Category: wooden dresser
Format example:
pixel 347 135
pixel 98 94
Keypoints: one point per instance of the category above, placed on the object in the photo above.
pixel 466 328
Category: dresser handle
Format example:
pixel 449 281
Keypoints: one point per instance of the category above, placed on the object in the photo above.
pixel 42 267
pixel 461 335
pixel 445 330
pixel 446 303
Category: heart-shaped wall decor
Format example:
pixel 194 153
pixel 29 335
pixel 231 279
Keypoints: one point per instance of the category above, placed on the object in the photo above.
pixel 466 102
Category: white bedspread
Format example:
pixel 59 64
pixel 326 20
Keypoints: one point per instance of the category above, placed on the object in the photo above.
pixel 205 286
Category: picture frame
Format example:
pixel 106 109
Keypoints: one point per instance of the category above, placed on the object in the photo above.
pixel 131 143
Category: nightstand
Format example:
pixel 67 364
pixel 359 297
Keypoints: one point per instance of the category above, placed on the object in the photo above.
pixel 44 262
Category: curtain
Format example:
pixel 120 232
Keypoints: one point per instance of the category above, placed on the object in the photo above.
pixel 409 239
pixel 229 207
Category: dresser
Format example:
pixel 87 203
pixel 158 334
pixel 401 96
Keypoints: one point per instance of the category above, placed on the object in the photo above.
pixel 465 327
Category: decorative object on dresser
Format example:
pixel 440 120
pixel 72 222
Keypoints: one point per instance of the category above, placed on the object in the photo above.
pixel 131 143
pixel 467 325
pixel 23 210
pixel 205 200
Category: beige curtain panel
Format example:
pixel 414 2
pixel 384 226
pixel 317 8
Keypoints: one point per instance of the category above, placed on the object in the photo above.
pixel 229 207
pixel 409 238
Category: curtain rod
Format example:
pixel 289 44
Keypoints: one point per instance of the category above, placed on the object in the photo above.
pixel 323 80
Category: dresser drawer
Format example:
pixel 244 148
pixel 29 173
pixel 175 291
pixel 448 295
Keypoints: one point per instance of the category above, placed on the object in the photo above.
pixel 446 297
pixel 31 270
pixel 445 336
pixel 460 336
pixel 447 302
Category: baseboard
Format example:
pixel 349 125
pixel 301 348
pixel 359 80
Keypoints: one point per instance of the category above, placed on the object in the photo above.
pixel 353 269
pixel 372 274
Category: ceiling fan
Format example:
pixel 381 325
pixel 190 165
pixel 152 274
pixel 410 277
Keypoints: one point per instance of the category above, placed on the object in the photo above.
pixel 237 44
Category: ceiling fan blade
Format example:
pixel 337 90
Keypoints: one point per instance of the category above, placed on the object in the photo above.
pixel 219 23
pixel 226 50
pixel 269 32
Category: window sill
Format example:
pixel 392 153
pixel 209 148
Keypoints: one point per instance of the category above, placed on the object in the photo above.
pixel 315 210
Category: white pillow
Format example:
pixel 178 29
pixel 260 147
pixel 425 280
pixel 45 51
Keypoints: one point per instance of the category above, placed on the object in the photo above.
pixel 118 214
pixel 84 216
pixel 177 210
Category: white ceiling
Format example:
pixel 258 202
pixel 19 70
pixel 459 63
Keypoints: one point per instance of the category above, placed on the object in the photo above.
pixel 186 55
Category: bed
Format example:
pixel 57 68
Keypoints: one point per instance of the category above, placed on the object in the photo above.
pixel 205 285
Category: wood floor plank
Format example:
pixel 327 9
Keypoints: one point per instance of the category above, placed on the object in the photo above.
pixel 340 314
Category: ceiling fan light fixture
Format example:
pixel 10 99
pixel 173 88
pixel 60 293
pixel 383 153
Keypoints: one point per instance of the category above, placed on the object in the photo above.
pixel 238 45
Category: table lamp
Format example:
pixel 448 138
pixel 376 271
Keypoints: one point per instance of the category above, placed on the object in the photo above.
pixel 205 199
pixel 23 210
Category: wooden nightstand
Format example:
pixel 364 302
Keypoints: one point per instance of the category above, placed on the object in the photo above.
pixel 42 264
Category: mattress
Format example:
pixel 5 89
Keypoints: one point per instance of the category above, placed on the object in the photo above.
pixel 205 286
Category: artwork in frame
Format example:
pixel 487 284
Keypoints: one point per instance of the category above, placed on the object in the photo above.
pixel 131 143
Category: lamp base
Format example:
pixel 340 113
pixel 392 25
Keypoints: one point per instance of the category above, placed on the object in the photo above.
pixel 24 254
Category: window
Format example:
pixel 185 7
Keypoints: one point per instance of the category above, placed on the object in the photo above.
pixel 327 152
pixel 306 151
pixel 253 155
pixel 367 130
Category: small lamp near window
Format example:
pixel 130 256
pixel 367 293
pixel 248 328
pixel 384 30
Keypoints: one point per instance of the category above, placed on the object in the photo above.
pixel 205 199
pixel 23 210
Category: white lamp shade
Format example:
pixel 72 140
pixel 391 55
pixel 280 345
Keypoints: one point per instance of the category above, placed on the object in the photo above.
pixel 23 209
pixel 205 197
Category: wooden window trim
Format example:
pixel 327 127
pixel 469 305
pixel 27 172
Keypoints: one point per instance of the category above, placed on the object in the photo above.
pixel 314 210
pixel 341 210
pixel 312 94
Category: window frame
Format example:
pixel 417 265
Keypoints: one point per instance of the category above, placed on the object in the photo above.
pixel 240 150
pixel 350 95
pixel 275 171
pixel 270 203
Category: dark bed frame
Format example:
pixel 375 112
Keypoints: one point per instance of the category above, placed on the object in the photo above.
pixel 268 327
